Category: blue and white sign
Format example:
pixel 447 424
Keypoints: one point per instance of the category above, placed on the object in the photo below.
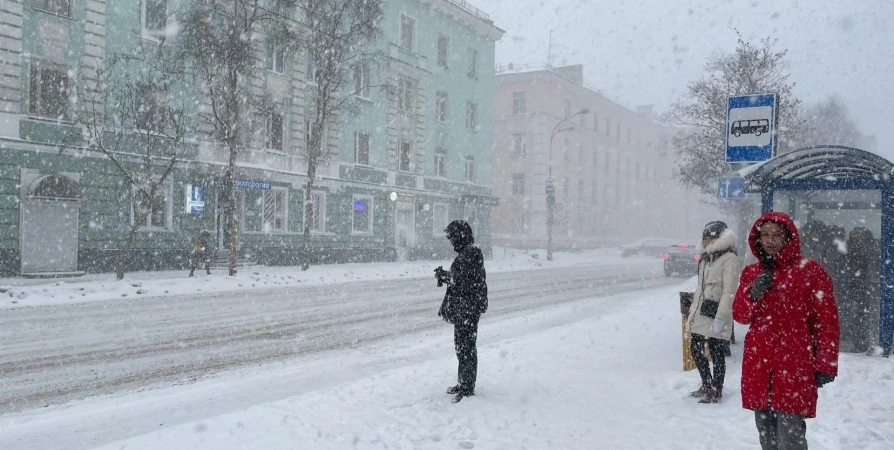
pixel 195 199
pixel 731 188
pixel 750 128
pixel 239 183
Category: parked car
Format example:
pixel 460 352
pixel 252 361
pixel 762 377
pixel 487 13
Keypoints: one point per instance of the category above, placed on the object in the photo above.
pixel 681 259
pixel 648 247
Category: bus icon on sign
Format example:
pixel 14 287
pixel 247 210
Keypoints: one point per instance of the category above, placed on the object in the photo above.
pixel 755 127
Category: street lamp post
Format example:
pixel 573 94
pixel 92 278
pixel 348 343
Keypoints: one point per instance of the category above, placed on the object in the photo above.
pixel 550 184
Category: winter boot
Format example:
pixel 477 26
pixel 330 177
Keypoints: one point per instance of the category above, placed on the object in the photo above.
pixel 713 396
pixel 453 390
pixel 460 394
pixel 701 392
pixel 726 350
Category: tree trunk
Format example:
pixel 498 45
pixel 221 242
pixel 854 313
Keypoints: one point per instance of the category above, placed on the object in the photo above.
pixel 122 254
pixel 308 214
pixel 230 224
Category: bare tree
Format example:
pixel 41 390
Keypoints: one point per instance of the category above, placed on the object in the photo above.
pixel 337 37
pixel 829 123
pixel 701 113
pixel 218 39
pixel 129 111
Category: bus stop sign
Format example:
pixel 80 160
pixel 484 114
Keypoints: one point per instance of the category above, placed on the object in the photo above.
pixel 751 128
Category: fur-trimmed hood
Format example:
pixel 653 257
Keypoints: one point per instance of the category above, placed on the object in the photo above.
pixel 726 242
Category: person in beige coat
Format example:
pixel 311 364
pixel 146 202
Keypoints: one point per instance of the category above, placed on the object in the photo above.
pixel 710 316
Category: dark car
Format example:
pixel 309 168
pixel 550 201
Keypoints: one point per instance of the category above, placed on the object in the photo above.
pixel 681 259
pixel 648 247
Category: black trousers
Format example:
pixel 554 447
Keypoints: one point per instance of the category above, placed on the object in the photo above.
pixel 465 337
pixel 781 431
pixel 199 261
pixel 716 347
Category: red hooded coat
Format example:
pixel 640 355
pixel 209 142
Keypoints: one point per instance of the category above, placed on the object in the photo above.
pixel 794 331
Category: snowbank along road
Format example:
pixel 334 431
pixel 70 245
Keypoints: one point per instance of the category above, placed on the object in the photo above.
pixel 55 354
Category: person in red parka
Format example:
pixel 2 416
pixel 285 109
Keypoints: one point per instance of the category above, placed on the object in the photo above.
pixel 791 348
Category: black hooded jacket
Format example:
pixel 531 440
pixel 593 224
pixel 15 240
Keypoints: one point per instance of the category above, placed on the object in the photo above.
pixel 466 297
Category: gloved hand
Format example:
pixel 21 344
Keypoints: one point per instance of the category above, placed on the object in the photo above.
pixel 823 379
pixel 761 284
pixel 718 325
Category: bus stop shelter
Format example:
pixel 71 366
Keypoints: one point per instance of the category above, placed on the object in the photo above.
pixel 851 188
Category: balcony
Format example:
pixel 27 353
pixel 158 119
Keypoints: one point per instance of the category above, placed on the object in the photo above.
pixel 471 9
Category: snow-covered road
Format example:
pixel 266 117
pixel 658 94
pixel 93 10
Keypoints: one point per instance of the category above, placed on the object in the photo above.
pixel 55 354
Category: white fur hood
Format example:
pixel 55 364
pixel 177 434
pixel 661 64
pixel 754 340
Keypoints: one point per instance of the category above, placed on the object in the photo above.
pixel 727 240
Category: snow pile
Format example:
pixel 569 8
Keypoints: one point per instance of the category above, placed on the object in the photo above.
pixel 612 379
pixel 18 292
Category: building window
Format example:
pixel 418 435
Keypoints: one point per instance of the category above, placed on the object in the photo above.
pixel 595 122
pixel 473 63
pixel 150 114
pixel 618 132
pixel 519 143
pixel 275 56
pixel 608 127
pixel 158 207
pixel 361 80
pixel 318 221
pixel 441 162
pixel 407 33
pixel 50 90
pixel 443 50
pixel 580 120
pixel 594 192
pixel 311 73
pixel 471 216
pixel 566 150
pixel 517 224
pixel 518 184
pixel 566 189
pixel 629 136
pixel 309 128
pixel 404 156
pixel 580 191
pixel 155 15
pixel 439 219
pixel 362 214
pixel 472 115
pixel 405 92
pixel 265 211
pixel 361 148
pixel 441 106
pixel 59 7
pixel 580 154
pixel 470 169
pixel 567 109
pixel 519 103
pixel 274 131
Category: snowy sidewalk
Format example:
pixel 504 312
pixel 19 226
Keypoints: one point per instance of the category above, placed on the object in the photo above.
pixel 20 292
pixel 609 382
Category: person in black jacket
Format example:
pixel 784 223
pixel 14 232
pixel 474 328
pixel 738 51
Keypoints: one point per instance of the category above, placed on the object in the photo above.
pixel 464 302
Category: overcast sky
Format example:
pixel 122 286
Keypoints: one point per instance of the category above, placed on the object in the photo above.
pixel 645 51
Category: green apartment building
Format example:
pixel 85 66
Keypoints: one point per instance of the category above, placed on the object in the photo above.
pixel 406 160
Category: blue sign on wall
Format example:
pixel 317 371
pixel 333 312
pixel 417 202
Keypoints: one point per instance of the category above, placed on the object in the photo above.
pixel 246 184
pixel 751 128
pixel 195 199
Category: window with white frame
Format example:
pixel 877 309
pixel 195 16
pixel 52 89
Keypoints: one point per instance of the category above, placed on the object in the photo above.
pixel 155 16
pixel 406 92
pixel 519 103
pixel 265 211
pixel 519 143
pixel 407 32
pixel 150 114
pixel 472 115
pixel 517 224
pixel 471 217
pixel 59 7
pixel 441 106
pixel 443 50
pixel 362 214
pixel 470 168
pixel 275 56
pixel 318 221
pixel 441 162
pixel 405 152
pixel 308 133
pixel 439 220
pixel 158 208
pixel 473 63
pixel 518 184
pixel 311 74
pixel 361 148
pixel 275 132
pixel 361 80
pixel 50 90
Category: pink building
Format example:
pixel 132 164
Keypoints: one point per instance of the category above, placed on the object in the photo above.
pixel 612 180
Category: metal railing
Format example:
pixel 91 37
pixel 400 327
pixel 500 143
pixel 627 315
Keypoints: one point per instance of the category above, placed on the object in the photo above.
pixel 468 7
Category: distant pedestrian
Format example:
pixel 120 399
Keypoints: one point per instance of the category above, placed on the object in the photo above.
pixel 791 348
pixel 710 317
pixel 464 302
pixel 201 254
